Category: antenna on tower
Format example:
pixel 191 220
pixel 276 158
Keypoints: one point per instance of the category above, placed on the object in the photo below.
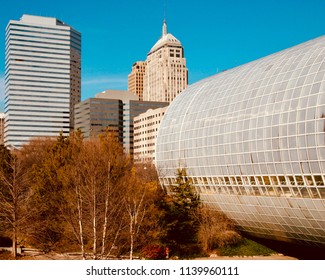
pixel 164 29
pixel 165 4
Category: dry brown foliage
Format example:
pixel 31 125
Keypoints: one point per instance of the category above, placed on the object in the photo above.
pixel 216 230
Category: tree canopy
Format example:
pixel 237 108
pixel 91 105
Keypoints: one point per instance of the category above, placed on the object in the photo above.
pixel 70 194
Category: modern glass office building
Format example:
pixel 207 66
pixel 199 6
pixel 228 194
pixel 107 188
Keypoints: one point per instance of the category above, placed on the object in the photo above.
pixel 113 110
pixel 42 78
pixel 252 139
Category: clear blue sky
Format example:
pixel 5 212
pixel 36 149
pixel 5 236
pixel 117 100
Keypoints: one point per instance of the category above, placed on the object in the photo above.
pixel 216 35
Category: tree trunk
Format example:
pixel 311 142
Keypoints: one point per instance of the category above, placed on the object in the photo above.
pixel 15 214
pixel 115 238
pixel 134 208
pixel 106 211
pixel 94 223
pixel 81 237
pixel 131 237
pixel 14 243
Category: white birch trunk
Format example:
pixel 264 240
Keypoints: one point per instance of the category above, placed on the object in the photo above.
pixel 79 206
pixel 106 211
pixel 14 242
pixel 94 222
pixel 131 237
pixel 134 211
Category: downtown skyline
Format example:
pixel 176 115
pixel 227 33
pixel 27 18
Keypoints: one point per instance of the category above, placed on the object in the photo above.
pixel 216 35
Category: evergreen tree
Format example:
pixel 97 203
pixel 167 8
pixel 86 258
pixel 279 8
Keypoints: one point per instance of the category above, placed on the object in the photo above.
pixel 180 217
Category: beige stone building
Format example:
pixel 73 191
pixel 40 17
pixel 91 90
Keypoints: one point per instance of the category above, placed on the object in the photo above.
pixel 166 74
pixel 135 78
pixel 146 127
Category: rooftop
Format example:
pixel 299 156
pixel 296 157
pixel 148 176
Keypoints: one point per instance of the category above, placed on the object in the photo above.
pixel 166 39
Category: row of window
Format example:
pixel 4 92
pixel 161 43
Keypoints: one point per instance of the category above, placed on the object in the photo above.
pixel 30 62
pixel 311 186
pixel 42 29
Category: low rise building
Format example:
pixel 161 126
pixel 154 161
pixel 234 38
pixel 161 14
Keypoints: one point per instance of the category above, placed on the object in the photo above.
pixel 146 127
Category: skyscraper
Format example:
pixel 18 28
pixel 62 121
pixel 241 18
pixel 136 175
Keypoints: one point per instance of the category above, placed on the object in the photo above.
pixel 42 78
pixel 135 78
pixel 166 72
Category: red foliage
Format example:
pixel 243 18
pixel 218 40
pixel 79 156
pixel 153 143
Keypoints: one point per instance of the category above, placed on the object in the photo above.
pixel 154 252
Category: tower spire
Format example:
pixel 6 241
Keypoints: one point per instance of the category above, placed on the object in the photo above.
pixel 164 29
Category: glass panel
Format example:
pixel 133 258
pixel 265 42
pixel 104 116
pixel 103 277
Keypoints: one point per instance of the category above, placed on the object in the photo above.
pixel 309 181
pixel 319 180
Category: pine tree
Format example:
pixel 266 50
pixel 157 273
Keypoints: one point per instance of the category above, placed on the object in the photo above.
pixel 180 217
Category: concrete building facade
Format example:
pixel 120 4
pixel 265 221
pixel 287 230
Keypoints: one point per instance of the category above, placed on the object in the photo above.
pixel 146 127
pixel 166 74
pixel 42 78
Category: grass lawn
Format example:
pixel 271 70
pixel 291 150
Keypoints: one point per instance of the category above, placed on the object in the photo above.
pixel 246 247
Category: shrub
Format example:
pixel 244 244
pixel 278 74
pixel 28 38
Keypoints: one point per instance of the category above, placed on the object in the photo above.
pixel 224 238
pixel 154 252
pixel 216 230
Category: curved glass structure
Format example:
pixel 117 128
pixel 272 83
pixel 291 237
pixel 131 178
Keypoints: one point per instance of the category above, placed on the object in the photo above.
pixel 252 139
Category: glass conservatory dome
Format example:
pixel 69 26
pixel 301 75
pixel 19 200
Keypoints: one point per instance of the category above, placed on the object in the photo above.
pixel 252 140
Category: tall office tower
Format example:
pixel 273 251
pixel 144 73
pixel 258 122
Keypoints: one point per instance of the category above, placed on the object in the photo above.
pixel 166 72
pixel 135 78
pixel 42 78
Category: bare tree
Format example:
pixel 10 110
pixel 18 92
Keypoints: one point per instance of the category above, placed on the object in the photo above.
pixel 138 199
pixel 85 194
pixel 94 202
pixel 14 197
pixel 73 208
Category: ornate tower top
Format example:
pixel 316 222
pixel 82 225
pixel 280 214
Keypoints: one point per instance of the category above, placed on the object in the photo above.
pixel 166 39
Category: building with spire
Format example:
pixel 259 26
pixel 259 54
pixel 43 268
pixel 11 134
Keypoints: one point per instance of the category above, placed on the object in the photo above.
pixel 166 74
